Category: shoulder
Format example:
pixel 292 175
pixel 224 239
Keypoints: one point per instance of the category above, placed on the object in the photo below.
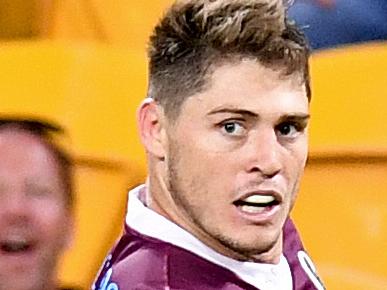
pixel 145 263
pixel 136 262
pixel 304 272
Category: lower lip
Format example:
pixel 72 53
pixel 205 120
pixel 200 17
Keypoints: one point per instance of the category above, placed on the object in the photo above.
pixel 18 259
pixel 264 217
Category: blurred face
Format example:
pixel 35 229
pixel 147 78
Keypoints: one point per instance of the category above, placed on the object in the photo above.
pixel 34 222
pixel 234 160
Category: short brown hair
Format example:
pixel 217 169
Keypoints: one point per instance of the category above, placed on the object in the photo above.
pixel 46 132
pixel 195 35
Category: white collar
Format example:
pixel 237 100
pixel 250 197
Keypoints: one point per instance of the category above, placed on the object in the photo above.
pixel 150 223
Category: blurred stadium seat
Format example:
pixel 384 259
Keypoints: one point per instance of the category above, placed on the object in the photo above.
pixel 342 206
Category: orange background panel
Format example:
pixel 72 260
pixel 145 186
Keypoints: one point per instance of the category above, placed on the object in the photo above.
pixel 349 103
pixel 341 213
pixel 93 90
pixel 342 206
pixel 120 22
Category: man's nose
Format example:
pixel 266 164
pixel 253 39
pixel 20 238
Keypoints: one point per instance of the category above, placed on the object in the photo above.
pixel 265 154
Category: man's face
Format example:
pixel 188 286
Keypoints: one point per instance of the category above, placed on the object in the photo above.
pixel 34 221
pixel 235 157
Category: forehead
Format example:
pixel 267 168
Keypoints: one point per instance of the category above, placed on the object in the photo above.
pixel 248 85
pixel 24 153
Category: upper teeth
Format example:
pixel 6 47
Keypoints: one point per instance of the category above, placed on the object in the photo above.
pixel 259 199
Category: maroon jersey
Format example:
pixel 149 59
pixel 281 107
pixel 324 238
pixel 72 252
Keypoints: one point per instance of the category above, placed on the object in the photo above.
pixel 139 261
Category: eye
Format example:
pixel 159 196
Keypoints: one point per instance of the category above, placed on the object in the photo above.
pixel 289 129
pixel 233 128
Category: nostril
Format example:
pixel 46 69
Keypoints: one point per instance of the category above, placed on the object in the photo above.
pixel 271 174
pixel 265 172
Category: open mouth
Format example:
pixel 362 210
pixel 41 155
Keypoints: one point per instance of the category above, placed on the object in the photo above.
pixel 12 247
pixel 256 204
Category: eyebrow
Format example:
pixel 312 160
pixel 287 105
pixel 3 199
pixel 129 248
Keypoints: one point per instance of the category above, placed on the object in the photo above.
pixel 299 117
pixel 232 111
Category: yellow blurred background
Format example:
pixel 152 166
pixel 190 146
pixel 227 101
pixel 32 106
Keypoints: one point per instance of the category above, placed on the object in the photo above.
pixel 82 63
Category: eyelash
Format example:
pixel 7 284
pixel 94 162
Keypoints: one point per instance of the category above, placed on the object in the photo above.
pixel 222 125
pixel 299 127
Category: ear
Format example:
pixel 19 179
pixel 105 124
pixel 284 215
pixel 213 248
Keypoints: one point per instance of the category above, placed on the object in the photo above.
pixel 151 122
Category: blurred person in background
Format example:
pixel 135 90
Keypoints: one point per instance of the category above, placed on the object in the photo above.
pixel 330 23
pixel 225 129
pixel 36 204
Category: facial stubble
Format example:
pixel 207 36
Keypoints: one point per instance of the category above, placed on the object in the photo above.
pixel 180 189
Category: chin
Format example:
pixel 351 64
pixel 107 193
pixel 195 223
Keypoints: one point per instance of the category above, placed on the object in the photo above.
pixel 18 285
pixel 251 247
pixel 261 246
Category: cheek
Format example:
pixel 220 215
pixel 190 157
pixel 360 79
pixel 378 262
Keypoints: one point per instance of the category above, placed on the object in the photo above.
pixel 296 165
pixel 302 157
pixel 208 164
pixel 294 160
pixel 199 167
pixel 52 219
pixel 202 158
pixel 197 154
pixel 298 155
